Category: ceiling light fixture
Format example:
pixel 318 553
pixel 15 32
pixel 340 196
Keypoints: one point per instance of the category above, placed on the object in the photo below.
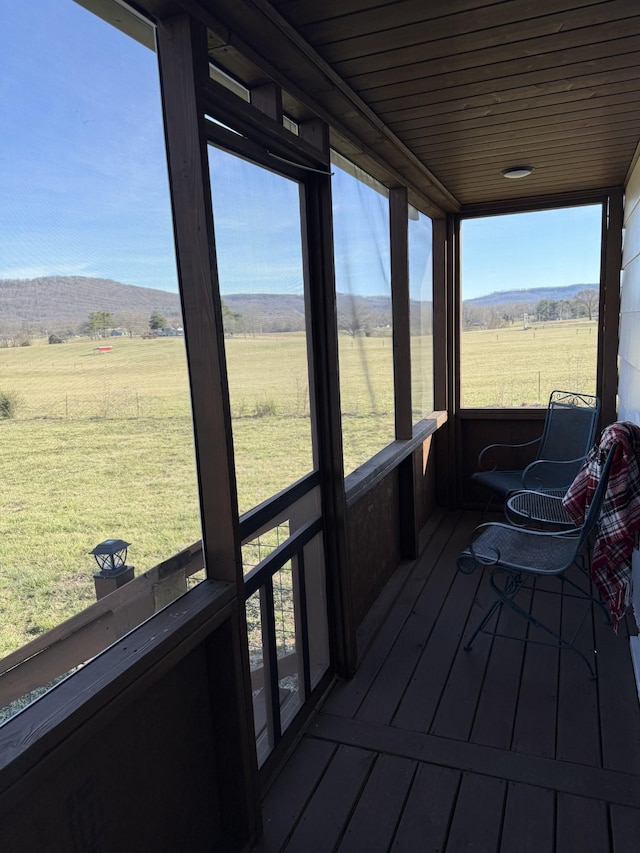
pixel 517 171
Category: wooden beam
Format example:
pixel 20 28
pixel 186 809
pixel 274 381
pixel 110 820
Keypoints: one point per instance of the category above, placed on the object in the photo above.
pixel 325 392
pixel 609 315
pixel 442 382
pixel 440 366
pixel 184 70
pixel 268 99
pixel 453 462
pixel 399 240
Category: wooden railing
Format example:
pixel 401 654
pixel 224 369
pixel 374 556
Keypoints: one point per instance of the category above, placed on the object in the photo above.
pixel 76 641
pixel 84 635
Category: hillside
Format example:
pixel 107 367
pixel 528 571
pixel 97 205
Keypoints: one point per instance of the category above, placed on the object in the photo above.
pixel 534 294
pixel 64 302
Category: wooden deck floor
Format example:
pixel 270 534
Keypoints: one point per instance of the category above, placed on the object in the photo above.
pixel 508 747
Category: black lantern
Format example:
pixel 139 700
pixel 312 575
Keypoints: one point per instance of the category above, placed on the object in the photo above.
pixel 111 557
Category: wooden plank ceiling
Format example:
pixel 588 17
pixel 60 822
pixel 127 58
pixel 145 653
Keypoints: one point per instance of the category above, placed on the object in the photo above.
pixel 467 87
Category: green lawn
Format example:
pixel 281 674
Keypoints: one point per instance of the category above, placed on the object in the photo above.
pixel 102 444
pixel 514 367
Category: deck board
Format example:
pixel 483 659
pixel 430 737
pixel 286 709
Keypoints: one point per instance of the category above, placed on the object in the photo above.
pixel 397 671
pixel 618 699
pixel 284 803
pixel 478 815
pixel 578 735
pixel 430 747
pixel 373 824
pixel 325 818
pixel 625 829
pixel 535 724
pixel 582 824
pixel 348 696
pixel 424 822
pixel 444 623
pixel 529 819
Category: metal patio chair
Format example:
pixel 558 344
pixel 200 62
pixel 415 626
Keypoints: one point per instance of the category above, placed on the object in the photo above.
pixel 518 555
pixel 568 434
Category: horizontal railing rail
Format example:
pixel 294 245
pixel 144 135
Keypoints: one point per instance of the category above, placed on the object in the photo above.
pixel 83 636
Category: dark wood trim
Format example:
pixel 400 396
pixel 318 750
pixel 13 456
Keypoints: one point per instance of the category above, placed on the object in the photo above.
pixel 183 67
pixel 316 133
pixel 409 531
pixel 291 735
pixel 89 632
pixel 262 514
pixel 33 741
pixel 519 414
pixel 238 35
pixel 303 619
pixel 399 242
pixel 270 661
pixel 325 395
pixel 236 773
pixel 247 119
pixel 578 779
pixel 534 203
pixel 184 73
pixel 371 472
pixel 268 99
pixel 452 464
pixel 279 556
pixel 232 142
pixel 440 366
pixel 609 318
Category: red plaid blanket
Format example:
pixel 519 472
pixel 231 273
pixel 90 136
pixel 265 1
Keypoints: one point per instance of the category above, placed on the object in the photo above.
pixel 620 518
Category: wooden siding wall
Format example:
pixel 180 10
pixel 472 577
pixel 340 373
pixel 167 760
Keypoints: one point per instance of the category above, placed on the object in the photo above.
pixel 629 361
pixel 629 379
pixel 373 532
pixel 142 749
pixel 383 525
pixel 143 781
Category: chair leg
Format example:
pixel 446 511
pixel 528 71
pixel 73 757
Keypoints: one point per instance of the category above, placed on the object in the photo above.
pixel 497 605
pixel 587 595
pixel 512 583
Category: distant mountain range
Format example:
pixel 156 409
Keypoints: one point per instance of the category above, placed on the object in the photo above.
pixel 63 304
pixel 533 294
pixel 60 303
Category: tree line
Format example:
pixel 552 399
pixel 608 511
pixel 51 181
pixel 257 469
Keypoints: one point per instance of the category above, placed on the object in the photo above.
pixel 100 324
pixel 490 316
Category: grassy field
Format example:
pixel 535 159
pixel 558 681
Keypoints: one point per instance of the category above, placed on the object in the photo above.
pixel 102 446
pixel 520 367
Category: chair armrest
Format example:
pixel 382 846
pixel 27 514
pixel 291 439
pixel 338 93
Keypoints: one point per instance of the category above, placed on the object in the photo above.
pixel 492 447
pixel 546 474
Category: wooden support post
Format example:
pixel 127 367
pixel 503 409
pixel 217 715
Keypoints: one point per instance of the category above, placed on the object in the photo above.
pixel 399 239
pixel 318 251
pixel 609 309
pixel 184 71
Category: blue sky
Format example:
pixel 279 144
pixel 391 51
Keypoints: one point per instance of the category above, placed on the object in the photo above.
pixel 84 190
pixel 541 249
pixel 83 179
